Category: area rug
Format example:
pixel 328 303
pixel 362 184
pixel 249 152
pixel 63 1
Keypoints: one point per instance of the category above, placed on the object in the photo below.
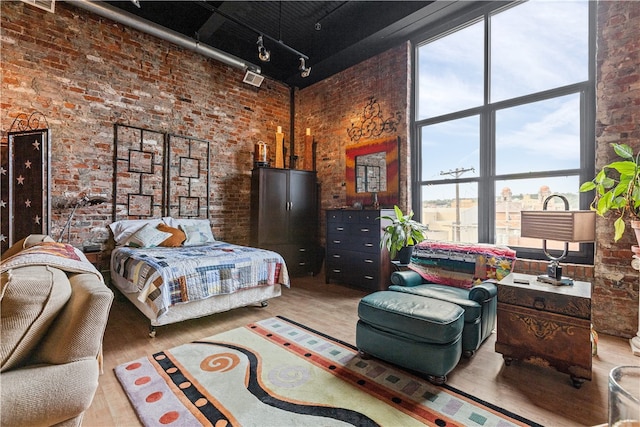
pixel 277 372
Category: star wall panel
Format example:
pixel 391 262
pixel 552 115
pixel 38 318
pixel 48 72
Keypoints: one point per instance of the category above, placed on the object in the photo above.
pixel 25 186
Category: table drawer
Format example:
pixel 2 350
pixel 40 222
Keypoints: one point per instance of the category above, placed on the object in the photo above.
pixel 568 305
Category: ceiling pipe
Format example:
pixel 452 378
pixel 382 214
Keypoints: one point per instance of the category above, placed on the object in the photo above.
pixel 107 11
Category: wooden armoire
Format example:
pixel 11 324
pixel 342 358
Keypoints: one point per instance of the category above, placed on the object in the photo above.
pixel 284 216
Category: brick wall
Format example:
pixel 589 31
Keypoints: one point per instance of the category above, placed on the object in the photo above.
pixel 329 108
pixel 84 73
pixel 615 288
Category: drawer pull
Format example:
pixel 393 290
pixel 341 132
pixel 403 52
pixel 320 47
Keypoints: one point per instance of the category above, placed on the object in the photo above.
pixel 302 250
pixel 538 303
pixel 364 230
pixel 337 242
pixel 368 245
pixel 336 256
pixel 368 277
pixel 340 228
pixel 302 263
pixel 368 261
pixel 337 270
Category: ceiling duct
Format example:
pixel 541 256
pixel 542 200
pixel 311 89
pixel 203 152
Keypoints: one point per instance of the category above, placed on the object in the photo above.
pixel 48 5
pixel 254 79
pixel 107 11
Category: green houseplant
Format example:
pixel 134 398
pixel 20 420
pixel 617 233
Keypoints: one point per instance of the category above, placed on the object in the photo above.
pixel 402 232
pixel 617 188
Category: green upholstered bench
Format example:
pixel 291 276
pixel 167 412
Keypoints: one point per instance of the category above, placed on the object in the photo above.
pixel 417 333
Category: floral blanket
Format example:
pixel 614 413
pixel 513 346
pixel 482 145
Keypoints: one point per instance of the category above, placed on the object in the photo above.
pixel 168 276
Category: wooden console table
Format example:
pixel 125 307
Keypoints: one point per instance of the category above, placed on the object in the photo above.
pixel 545 325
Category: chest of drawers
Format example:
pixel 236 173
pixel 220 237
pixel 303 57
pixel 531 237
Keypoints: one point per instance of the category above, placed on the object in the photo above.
pixel 354 256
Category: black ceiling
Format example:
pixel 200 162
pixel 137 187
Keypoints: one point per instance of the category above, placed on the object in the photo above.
pixel 333 34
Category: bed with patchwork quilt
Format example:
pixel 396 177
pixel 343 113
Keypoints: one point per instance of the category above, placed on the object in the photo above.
pixel 170 283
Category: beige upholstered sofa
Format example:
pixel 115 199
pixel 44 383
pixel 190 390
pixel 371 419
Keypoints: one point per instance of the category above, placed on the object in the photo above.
pixel 54 309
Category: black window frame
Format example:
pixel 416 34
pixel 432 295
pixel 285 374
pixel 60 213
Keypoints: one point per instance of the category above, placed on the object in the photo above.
pixel 486 178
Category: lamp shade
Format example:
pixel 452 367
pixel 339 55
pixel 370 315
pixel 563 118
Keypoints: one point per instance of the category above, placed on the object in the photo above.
pixel 564 226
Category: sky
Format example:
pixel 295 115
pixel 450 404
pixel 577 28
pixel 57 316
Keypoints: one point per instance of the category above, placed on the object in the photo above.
pixel 536 46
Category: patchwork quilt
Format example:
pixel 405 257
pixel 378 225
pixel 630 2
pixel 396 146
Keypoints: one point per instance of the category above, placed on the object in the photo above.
pixel 168 276
pixel 461 264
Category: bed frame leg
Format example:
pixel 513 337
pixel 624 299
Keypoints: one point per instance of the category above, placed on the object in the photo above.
pixel 263 304
pixel 152 331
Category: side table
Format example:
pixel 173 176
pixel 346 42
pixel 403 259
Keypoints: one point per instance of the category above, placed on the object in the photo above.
pixel 95 258
pixel 546 325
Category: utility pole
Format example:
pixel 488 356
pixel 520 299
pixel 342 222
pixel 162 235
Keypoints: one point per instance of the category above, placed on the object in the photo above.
pixel 457 172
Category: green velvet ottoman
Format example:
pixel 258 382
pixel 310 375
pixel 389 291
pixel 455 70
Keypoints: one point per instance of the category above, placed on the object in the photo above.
pixel 415 332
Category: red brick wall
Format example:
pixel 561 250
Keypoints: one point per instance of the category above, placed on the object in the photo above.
pixel 329 108
pixel 615 288
pixel 84 73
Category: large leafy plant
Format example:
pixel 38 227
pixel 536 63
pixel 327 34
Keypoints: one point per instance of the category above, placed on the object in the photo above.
pixel 403 231
pixel 617 187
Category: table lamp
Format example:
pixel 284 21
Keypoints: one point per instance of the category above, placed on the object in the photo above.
pixel 564 226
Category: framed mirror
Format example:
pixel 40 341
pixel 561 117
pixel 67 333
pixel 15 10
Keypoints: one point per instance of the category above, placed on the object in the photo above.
pixel 373 167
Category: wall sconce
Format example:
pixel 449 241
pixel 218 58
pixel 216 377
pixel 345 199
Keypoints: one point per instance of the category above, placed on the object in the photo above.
pixel 84 201
pixel 564 226
pixel 263 53
pixel 303 68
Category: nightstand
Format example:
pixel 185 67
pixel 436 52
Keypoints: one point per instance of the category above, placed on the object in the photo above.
pixel 95 258
pixel 546 325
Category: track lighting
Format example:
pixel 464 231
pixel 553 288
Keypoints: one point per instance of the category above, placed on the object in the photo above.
pixel 303 68
pixel 263 53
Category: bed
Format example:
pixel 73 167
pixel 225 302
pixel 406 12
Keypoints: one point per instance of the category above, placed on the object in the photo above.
pixel 166 260
pixel 194 278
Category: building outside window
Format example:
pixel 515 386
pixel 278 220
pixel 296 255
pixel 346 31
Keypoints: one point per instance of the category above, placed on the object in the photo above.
pixel 504 117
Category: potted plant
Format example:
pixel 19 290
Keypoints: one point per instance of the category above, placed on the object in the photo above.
pixel 617 188
pixel 401 235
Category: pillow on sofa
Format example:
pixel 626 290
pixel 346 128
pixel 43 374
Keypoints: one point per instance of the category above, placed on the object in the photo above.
pixel 147 237
pixel 177 236
pixel 460 264
pixel 26 243
pixel 32 297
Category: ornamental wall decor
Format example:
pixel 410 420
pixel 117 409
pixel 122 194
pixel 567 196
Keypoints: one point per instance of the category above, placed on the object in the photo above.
pixel 372 123
pixel 25 177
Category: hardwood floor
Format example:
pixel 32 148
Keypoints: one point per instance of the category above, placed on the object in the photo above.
pixel 540 394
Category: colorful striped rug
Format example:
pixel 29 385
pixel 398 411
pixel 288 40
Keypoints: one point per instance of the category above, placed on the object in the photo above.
pixel 277 372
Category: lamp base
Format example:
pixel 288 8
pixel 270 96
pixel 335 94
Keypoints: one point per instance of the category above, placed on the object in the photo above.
pixel 563 281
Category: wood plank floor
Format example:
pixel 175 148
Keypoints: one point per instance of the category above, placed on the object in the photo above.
pixel 540 394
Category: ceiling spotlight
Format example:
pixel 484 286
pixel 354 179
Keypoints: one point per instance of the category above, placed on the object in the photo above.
pixel 136 3
pixel 263 53
pixel 303 68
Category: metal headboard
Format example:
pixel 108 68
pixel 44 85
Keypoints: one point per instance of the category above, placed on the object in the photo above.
pixel 159 174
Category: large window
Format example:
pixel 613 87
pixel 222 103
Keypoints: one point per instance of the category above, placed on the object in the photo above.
pixel 504 117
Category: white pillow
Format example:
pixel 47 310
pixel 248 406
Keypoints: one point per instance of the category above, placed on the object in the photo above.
pixel 198 233
pixel 123 229
pixel 147 237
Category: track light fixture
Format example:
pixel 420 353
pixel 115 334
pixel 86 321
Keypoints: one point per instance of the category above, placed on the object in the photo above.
pixel 303 68
pixel 263 53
